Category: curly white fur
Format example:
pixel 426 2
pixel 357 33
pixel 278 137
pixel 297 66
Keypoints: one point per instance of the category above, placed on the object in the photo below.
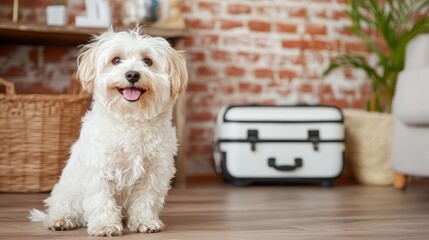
pixel 122 163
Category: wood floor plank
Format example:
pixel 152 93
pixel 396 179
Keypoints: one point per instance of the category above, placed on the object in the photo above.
pixel 215 211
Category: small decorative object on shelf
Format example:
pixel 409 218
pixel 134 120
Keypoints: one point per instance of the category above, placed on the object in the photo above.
pixel 130 13
pixel 97 14
pixel 170 15
pixel 56 14
pixel 15 10
pixel 144 12
pixel 157 13
pixel 150 10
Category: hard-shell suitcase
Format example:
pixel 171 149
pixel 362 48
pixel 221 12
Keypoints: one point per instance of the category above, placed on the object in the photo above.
pixel 259 144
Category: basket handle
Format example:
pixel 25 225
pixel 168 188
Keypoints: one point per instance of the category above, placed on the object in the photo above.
pixel 9 86
pixel 76 86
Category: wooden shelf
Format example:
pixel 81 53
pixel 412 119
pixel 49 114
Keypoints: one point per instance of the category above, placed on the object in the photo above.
pixel 13 33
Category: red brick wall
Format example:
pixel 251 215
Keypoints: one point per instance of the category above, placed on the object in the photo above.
pixel 239 51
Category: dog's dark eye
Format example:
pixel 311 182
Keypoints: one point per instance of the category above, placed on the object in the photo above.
pixel 147 61
pixel 116 60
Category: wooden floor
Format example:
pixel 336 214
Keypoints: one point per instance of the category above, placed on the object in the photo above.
pixel 215 211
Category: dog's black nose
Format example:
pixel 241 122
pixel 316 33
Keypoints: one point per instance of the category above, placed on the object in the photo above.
pixel 132 76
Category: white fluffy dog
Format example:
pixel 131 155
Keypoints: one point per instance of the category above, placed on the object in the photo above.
pixel 122 164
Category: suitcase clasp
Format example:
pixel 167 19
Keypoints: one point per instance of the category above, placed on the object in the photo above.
pixel 252 137
pixel 313 137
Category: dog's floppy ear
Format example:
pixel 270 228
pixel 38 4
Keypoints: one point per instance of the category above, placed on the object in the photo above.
pixel 86 67
pixel 178 74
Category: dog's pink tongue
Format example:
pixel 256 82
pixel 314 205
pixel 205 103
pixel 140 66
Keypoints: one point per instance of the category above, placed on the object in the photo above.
pixel 131 94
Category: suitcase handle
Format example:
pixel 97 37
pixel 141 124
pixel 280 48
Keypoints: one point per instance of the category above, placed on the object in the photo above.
pixel 272 163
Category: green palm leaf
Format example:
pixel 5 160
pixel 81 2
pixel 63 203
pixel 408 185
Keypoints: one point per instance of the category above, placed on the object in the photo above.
pixel 397 23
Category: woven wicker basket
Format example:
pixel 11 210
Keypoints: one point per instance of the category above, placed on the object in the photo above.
pixel 36 133
pixel 368 139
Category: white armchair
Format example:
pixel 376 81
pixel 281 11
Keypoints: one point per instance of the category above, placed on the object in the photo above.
pixel 410 137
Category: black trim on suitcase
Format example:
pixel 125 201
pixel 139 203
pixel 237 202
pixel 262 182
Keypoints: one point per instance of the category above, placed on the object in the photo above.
pixel 290 106
pixel 253 142
pixel 278 141
pixel 227 177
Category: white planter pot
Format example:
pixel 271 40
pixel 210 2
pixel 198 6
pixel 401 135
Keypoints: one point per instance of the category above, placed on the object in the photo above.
pixel 56 15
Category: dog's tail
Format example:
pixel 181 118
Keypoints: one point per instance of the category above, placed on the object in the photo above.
pixel 37 215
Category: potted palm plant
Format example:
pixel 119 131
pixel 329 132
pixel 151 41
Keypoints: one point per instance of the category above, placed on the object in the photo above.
pixel 386 27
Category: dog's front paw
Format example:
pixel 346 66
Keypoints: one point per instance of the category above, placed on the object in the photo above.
pixel 63 224
pixel 149 226
pixel 105 231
